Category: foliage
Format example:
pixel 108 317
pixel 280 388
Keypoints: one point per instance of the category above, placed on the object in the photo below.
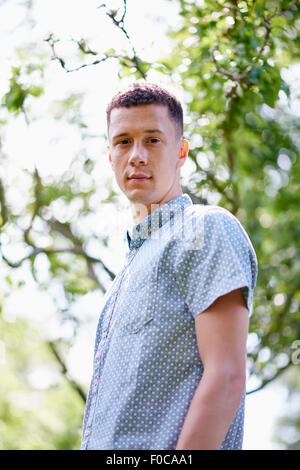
pixel 38 408
pixel 14 99
pixel 286 433
pixel 231 59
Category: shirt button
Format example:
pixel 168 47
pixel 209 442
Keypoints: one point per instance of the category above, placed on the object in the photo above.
pixel 95 382
pixel 134 250
pixel 104 334
pixel 87 433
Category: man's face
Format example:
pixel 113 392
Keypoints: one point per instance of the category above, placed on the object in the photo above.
pixel 146 153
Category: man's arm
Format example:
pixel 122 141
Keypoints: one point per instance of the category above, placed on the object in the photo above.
pixel 221 332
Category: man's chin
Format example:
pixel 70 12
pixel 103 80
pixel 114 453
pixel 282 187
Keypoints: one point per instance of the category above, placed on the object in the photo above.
pixel 141 198
pixel 139 195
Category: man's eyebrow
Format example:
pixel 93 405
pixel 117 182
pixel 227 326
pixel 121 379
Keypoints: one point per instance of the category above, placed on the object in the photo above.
pixel 148 131
pixel 120 135
pixel 152 131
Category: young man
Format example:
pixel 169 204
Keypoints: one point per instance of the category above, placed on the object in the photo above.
pixel 170 350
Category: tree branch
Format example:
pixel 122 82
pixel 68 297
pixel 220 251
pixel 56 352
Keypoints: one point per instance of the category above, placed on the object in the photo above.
pixel 243 76
pixel 65 372
pixel 65 230
pixel 75 250
pixel 120 24
pixel 83 47
pixel 133 61
pixel 266 24
pixel 233 200
pixel 4 210
pixel 267 381
pixel 194 198
pixel 51 41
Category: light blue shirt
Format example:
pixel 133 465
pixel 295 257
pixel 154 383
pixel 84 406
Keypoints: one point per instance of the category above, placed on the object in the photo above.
pixel 147 366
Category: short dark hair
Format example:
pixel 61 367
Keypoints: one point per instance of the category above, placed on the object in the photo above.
pixel 148 93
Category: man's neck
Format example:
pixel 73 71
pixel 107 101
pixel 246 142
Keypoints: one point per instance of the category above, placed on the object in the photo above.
pixel 140 211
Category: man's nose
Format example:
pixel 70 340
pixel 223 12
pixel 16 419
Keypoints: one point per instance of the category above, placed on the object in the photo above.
pixel 138 154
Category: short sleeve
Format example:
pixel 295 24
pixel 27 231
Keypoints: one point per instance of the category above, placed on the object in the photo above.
pixel 224 261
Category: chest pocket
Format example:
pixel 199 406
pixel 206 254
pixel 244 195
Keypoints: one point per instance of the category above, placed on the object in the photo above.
pixel 138 299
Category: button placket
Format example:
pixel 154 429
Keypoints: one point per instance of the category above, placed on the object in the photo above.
pixel 101 352
pixel 108 326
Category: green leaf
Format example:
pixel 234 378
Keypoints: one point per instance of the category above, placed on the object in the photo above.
pixel 35 91
pixel 110 51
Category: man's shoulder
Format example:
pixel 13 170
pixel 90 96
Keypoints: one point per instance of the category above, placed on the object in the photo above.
pixel 217 223
pixel 206 223
pixel 208 212
pixel 189 229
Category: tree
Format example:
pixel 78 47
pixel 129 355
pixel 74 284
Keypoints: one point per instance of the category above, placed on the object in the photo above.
pixel 286 432
pixel 38 408
pixel 232 59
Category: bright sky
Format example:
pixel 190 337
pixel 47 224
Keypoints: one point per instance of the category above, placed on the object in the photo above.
pixel 51 146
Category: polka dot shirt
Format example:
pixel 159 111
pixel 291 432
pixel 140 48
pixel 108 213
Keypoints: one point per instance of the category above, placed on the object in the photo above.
pixel 181 258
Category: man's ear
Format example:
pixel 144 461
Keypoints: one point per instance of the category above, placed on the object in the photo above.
pixel 184 148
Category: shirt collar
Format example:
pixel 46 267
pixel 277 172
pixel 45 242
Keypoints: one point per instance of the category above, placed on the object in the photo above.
pixel 156 220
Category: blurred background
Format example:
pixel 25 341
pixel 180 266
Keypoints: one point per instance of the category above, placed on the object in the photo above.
pixel 235 65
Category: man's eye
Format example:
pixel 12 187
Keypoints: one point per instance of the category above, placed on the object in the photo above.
pixel 123 142
pixel 153 140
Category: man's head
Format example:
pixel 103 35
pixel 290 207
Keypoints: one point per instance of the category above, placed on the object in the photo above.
pixel 145 126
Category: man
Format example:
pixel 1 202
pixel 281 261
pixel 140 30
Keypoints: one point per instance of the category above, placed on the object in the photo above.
pixel 170 350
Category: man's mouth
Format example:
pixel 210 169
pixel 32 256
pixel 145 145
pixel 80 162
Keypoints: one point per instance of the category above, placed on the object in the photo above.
pixel 139 178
